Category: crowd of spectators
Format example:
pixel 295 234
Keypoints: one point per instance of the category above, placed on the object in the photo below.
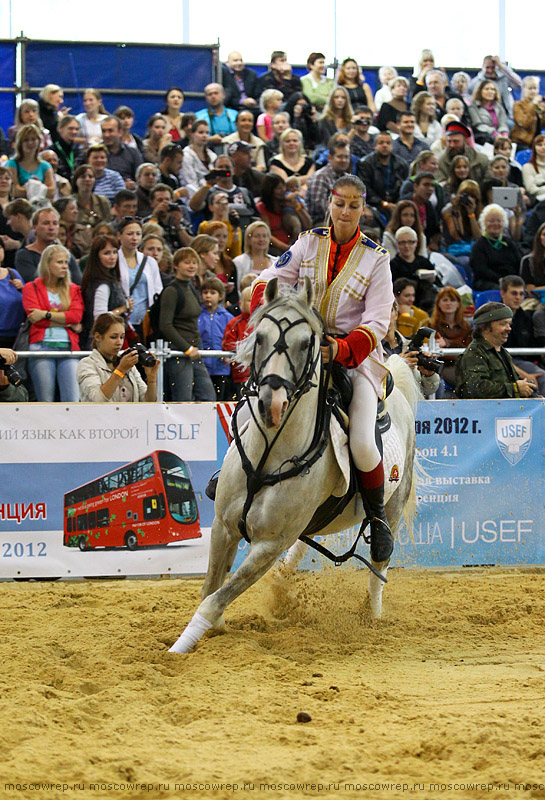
pixel 99 225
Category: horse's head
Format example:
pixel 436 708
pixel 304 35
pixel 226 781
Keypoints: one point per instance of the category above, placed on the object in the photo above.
pixel 285 350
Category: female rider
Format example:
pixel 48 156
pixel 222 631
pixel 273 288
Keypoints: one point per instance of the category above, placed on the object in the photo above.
pixel 353 292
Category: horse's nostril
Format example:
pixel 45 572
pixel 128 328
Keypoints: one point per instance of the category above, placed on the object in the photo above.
pixel 261 407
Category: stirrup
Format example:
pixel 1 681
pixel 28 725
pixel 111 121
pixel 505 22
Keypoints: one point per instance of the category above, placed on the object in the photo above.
pixel 386 545
pixel 210 490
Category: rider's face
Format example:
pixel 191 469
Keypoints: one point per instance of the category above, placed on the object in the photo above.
pixel 346 207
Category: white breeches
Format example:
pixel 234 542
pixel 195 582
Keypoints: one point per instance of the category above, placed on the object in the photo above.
pixel 363 414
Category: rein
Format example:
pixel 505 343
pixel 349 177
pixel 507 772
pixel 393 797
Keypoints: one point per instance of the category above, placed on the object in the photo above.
pixel 255 478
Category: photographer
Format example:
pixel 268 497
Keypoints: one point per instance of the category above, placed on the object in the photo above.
pixel 11 388
pixel 105 377
pixel 394 342
pixel 170 216
pixel 220 179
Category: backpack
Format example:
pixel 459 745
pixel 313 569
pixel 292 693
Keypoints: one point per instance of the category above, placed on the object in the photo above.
pixel 150 324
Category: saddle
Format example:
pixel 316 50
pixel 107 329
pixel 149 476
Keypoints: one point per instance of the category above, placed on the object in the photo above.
pixel 340 395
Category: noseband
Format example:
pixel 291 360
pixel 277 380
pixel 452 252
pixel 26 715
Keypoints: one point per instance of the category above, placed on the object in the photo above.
pixel 299 384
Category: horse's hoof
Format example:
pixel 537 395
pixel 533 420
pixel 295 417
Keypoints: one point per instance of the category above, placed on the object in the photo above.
pixel 220 626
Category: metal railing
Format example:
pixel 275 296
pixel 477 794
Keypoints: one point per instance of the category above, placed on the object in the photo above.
pixel 162 352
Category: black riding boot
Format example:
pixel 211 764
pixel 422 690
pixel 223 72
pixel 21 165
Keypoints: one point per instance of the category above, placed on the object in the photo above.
pixel 382 542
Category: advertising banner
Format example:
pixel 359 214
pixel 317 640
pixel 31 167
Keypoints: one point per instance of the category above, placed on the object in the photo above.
pixel 90 490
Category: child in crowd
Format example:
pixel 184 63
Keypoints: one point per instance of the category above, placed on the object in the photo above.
pixel 270 102
pixel 235 332
pixel 213 320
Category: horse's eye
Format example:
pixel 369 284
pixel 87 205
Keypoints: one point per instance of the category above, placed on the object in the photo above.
pixel 305 344
pixel 259 338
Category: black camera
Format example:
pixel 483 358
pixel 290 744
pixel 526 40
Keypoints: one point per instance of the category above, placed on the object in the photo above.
pixel 425 360
pixel 464 199
pixel 214 174
pixel 174 206
pixel 10 372
pixel 145 358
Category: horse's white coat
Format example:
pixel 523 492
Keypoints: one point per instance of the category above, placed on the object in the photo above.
pixel 280 513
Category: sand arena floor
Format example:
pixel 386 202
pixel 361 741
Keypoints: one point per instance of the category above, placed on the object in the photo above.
pixel 447 689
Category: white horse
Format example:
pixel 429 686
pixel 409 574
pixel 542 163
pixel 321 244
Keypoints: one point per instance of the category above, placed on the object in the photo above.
pixel 281 438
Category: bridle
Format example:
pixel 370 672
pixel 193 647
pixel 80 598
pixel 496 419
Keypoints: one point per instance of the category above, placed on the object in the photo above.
pixel 300 384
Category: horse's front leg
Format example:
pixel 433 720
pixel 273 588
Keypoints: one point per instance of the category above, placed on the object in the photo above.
pixel 223 549
pixel 260 558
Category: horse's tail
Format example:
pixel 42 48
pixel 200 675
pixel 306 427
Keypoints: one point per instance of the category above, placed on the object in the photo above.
pixel 404 380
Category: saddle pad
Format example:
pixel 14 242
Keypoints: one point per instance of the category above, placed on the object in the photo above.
pixel 339 440
pixel 393 459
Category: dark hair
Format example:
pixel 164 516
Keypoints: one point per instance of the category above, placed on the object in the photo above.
pixel 153 118
pixel 314 57
pixel 81 170
pixel 168 91
pixel 402 283
pixel 103 323
pixel 211 282
pixel 270 183
pixel 123 194
pixel 537 257
pixel 19 206
pixel 395 220
pixel 61 204
pixel 124 221
pixel 533 158
pixel 94 272
pixel 401 114
pixel 337 141
pixel 487 185
pixel 160 187
pixel 353 182
pixel 66 120
pixel 124 111
pixel 169 151
pixel 116 120
pixel 511 280
pixel 453 182
pixel 420 176
pixel 277 54
pixel 188 117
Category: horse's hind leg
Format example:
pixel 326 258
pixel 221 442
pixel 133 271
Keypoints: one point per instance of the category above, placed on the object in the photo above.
pixel 259 560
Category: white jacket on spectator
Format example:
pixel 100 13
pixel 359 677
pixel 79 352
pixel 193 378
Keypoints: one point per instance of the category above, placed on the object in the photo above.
pixel 151 271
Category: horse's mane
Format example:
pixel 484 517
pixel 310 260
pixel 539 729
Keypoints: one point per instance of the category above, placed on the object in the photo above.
pixel 289 299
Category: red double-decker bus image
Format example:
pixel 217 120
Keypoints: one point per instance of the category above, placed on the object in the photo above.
pixel 147 502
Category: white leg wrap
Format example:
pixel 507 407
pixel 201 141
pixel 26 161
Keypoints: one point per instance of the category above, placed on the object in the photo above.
pixel 193 632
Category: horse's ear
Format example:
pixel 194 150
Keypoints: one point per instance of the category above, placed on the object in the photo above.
pixel 271 291
pixel 306 292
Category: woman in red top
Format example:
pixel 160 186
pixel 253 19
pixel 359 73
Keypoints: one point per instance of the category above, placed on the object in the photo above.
pixel 448 320
pixel 54 306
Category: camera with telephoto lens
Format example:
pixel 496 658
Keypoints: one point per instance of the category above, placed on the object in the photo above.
pixel 10 372
pixel 145 358
pixel 425 360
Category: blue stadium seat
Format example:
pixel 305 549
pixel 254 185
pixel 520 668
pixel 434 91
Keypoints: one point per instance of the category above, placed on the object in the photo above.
pixel 523 156
pixel 480 298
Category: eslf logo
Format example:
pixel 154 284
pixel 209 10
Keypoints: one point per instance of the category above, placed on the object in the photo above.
pixel 513 437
